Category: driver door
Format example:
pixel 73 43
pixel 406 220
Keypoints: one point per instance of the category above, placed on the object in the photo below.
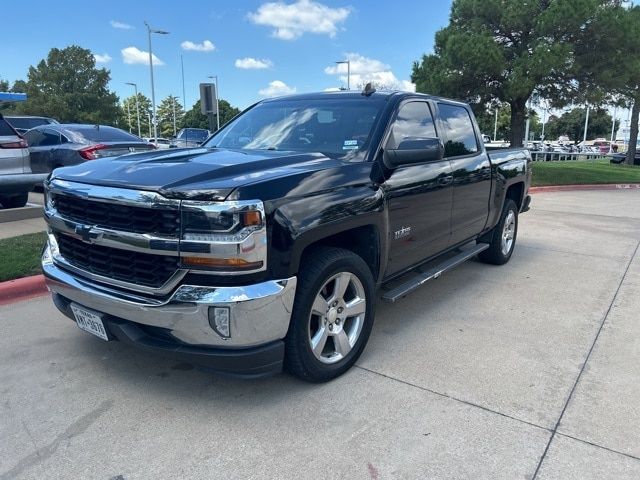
pixel 419 196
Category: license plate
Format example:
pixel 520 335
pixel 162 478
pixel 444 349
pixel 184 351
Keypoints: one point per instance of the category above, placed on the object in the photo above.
pixel 89 321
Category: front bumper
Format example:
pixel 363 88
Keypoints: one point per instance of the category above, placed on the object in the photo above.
pixel 20 182
pixel 259 318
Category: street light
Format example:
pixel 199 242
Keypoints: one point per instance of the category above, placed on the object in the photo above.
pixel 348 62
pixel 217 106
pixel 135 87
pixel 153 91
pixel 129 116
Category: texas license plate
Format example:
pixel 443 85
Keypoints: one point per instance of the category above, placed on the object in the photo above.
pixel 89 321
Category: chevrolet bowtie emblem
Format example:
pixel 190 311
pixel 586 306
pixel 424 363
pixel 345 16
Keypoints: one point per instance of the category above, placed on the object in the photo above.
pixel 88 233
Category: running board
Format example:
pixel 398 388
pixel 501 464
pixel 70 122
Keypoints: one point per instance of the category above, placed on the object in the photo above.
pixel 421 278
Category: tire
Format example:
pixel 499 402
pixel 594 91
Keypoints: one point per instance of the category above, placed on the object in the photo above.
pixel 15 201
pixel 501 247
pixel 339 338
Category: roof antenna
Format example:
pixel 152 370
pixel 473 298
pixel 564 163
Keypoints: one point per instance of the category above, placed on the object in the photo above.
pixel 369 89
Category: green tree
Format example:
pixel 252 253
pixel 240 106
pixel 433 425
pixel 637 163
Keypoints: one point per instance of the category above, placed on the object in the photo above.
pixel 68 87
pixel 129 112
pixel 166 113
pixel 612 44
pixel 486 120
pixel 571 124
pixel 504 50
pixel 195 119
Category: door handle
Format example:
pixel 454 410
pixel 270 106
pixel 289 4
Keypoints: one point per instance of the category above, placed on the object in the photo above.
pixel 445 180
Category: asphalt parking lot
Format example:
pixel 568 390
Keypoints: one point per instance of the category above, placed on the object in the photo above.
pixel 530 370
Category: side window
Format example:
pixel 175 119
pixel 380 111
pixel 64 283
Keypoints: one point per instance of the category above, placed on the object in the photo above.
pixel 414 121
pixel 51 138
pixel 34 138
pixel 458 130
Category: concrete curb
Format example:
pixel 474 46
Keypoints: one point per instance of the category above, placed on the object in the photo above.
pixel 573 188
pixel 22 289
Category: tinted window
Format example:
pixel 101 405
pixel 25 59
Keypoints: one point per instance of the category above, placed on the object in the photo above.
pixel 106 134
pixel 193 134
pixel 5 128
pixel 458 131
pixel 34 137
pixel 414 121
pixel 50 139
pixel 27 122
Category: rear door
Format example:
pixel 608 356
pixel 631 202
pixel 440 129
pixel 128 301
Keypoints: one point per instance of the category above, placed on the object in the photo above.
pixel 419 195
pixel 42 143
pixel 471 171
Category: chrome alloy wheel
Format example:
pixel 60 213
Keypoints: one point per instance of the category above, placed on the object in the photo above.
pixel 508 232
pixel 336 317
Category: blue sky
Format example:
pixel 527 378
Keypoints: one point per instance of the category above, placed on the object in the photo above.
pixel 295 42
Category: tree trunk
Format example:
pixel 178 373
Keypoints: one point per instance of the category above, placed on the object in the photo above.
pixel 633 134
pixel 518 120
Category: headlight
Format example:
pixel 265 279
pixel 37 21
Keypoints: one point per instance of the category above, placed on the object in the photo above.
pixel 228 237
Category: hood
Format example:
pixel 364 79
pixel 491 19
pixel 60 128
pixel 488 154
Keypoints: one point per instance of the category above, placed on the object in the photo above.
pixel 198 174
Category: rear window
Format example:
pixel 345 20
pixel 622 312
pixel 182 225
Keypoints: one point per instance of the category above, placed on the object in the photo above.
pixel 193 134
pixel 26 123
pixel 106 134
pixel 5 129
pixel 458 129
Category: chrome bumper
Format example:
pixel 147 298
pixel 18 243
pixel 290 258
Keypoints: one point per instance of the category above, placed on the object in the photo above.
pixel 260 312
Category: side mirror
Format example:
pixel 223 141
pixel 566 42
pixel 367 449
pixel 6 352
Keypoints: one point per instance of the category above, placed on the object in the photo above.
pixel 413 150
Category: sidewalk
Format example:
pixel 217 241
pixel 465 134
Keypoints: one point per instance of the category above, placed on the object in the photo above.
pixel 22 227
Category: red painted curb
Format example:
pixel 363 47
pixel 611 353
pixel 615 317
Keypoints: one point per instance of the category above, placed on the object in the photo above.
pixel 22 289
pixel 599 186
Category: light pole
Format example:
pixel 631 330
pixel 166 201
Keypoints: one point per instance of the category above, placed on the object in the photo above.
pixel 153 91
pixel 174 115
pixel 348 62
pixel 495 126
pixel 613 128
pixel 129 116
pixel 135 87
pixel 149 118
pixel 184 99
pixel 217 106
pixel 586 126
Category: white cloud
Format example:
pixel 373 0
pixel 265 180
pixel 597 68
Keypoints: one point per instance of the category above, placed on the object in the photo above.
pixel 365 70
pixel 249 63
pixel 332 89
pixel 277 88
pixel 205 46
pixel 121 25
pixel 134 56
pixel 105 58
pixel 291 21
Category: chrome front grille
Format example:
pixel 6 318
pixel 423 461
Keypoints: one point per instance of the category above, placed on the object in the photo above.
pixel 122 217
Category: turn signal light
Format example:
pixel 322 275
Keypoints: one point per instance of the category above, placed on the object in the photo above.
pixel 235 263
pixel 251 218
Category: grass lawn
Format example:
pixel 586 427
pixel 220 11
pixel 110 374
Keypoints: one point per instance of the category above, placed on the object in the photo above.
pixel 20 256
pixel 583 172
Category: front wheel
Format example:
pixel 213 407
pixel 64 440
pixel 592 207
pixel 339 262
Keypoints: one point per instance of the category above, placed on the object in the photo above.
pixel 332 315
pixel 503 238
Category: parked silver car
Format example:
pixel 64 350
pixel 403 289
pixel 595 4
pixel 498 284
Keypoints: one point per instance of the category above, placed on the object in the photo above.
pixel 16 178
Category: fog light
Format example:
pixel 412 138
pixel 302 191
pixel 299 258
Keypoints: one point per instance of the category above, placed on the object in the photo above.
pixel 220 321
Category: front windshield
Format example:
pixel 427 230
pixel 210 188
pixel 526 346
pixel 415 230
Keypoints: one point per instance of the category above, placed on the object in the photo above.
pixel 334 127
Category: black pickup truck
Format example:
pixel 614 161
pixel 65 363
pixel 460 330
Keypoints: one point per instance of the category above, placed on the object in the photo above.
pixel 268 245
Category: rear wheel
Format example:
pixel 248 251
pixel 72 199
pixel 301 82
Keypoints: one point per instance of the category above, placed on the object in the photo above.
pixel 332 315
pixel 503 239
pixel 15 201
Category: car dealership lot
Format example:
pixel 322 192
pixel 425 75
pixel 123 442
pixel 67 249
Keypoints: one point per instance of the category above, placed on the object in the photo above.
pixel 479 374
